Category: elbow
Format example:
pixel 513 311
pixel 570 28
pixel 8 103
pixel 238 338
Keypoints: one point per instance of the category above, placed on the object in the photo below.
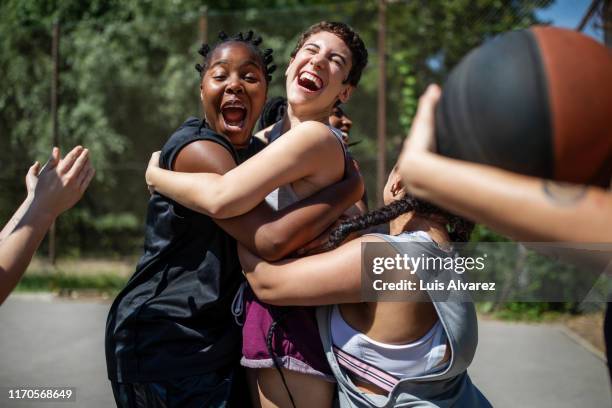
pixel 265 292
pixel 271 245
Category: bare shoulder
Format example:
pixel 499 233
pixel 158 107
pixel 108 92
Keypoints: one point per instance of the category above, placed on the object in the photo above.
pixel 313 132
pixel 204 156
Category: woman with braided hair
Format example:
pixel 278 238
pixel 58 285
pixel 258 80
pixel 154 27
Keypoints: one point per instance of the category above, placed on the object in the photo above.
pixel 412 353
pixel 325 66
pixel 171 337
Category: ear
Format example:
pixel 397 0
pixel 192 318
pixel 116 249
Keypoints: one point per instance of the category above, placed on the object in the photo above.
pixel 289 65
pixel 346 93
pixel 397 186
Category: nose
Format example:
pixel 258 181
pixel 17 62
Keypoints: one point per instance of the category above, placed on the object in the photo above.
pixel 347 122
pixel 234 86
pixel 317 61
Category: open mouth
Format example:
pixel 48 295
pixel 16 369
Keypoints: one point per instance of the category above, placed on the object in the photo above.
pixel 234 113
pixel 310 81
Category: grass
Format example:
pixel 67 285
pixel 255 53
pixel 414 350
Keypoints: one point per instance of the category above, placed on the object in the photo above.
pixel 104 277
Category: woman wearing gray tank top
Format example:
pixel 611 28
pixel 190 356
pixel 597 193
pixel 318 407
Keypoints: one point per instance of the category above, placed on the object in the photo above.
pixel 436 340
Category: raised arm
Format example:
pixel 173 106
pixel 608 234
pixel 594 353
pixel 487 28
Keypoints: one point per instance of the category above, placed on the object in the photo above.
pixel 523 208
pixel 302 153
pixel 61 184
pixel 269 233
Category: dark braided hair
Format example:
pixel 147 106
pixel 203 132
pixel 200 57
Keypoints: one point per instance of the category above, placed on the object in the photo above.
pixel 249 39
pixel 459 229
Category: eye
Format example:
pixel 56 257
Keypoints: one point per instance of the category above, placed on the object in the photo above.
pixel 251 77
pixel 338 61
pixel 218 75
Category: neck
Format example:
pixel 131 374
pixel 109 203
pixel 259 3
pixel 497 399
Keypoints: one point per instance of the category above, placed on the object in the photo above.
pixel 297 116
pixel 409 223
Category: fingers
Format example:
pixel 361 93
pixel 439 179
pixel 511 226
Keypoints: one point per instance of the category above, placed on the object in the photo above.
pixel 66 163
pixel 427 104
pixel 154 160
pixel 53 160
pixel 34 169
pixel 85 178
pixel 77 166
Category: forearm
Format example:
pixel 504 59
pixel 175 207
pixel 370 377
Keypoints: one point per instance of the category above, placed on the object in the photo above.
pixel 17 216
pixel 17 249
pixel 523 208
pixel 201 192
pixel 301 222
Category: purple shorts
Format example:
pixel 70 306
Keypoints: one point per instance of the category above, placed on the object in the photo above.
pixel 295 340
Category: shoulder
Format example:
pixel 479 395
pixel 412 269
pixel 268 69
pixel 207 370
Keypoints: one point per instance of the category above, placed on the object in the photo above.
pixel 313 132
pixel 191 131
pixel 203 156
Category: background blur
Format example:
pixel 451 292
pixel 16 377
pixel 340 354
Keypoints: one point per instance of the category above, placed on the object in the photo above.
pixel 127 80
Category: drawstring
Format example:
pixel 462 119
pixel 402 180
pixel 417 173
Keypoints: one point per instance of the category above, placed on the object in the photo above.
pixel 238 304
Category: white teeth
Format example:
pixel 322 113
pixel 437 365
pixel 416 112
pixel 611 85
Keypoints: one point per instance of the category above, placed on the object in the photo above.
pixel 317 81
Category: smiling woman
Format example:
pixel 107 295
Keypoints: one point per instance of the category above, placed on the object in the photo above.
pixel 231 87
pixel 324 68
pixel 171 338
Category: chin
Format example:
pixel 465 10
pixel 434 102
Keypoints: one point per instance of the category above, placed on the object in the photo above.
pixel 239 139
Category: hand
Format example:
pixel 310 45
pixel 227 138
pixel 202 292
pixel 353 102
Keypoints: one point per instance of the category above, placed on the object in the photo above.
pixel 31 179
pixel 62 182
pixel 153 164
pixel 321 243
pixel 422 133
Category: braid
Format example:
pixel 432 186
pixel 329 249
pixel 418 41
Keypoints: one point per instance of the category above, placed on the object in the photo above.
pixel 459 228
pixel 375 217
pixel 250 39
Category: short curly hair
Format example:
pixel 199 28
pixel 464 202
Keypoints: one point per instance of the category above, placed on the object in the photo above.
pixel 350 38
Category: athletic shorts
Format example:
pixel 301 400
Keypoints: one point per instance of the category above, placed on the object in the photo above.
pixel 295 340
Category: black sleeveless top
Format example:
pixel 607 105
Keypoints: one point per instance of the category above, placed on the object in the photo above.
pixel 173 319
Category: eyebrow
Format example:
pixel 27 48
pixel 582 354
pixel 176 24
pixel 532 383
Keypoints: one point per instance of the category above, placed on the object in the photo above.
pixel 247 62
pixel 334 54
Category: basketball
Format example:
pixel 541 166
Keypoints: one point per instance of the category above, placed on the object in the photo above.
pixel 536 102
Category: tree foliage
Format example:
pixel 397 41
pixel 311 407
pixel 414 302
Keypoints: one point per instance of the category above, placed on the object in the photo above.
pixel 127 80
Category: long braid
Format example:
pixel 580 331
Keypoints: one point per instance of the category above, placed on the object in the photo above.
pixel 459 228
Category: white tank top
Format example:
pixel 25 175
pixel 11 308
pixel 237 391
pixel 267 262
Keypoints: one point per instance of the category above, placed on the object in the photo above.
pixel 400 361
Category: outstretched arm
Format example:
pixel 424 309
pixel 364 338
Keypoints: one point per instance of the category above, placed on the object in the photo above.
pixel 31 180
pixel 302 153
pixel 523 208
pixel 326 278
pixel 274 234
pixel 61 184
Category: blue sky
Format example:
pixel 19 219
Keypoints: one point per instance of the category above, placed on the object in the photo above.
pixel 568 13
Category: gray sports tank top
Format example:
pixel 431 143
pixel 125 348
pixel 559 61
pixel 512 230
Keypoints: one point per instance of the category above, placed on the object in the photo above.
pixel 285 195
pixel 450 387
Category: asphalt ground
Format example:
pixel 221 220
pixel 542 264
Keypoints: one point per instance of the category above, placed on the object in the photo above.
pixel 45 341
